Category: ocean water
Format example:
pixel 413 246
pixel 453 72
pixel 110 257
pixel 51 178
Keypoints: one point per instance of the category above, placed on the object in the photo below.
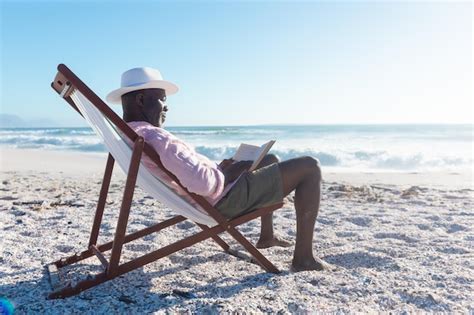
pixel 414 148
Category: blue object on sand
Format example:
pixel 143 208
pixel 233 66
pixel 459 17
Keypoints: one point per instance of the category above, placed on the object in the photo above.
pixel 6 307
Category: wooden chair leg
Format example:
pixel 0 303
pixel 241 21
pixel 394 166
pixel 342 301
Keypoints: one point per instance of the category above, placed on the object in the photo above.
pixel 104 190
pixel 125 208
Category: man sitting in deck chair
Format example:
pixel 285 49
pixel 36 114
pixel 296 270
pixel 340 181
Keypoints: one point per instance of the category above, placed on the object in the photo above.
pixel 227 186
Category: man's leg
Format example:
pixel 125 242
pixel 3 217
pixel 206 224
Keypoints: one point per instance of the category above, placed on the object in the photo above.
pixel 267 237
pixel 304 175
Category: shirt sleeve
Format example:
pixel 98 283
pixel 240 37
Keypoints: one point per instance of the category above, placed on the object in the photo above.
pixel 195 172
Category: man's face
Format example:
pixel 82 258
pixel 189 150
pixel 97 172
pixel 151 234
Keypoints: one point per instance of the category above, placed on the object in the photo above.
pixel 153 105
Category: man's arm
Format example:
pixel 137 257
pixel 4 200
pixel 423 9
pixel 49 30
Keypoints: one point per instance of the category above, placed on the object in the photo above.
pixel 195 172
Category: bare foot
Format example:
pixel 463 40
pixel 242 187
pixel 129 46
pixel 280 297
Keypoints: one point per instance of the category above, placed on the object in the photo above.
pixel 311 264
pixel 275 241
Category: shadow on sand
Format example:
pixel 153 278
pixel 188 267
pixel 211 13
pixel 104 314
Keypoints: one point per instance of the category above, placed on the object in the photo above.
pixel 134 291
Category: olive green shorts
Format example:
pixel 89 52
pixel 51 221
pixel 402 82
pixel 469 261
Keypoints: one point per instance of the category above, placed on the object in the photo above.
pixel 260 188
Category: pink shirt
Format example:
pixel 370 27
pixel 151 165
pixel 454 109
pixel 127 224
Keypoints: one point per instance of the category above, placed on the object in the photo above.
pixel 195 171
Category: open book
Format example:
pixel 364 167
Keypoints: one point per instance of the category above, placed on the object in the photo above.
pixel 248 152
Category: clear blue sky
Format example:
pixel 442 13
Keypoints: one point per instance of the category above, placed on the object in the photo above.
pixel 243 63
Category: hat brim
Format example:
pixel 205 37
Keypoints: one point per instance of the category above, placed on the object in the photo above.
pixel 115 97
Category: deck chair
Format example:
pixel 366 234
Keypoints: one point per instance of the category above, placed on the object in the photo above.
pixel 126 148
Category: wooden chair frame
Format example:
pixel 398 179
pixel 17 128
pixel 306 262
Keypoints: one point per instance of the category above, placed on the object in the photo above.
pixel 65 83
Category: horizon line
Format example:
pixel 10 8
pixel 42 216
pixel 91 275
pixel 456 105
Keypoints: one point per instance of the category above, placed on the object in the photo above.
pixel 283 125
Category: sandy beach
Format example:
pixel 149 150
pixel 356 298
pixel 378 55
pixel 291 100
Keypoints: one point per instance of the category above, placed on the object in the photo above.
pixel 398 242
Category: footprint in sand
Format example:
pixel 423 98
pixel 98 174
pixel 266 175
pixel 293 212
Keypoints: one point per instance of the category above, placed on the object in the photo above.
pixel 65 248
pixel 353 260
pixel 420 299
pixel 8 198
pixel 361 221
pixel 325 221
pixel 246 229
pixel 186 225
pixel 137 247
pixel 346 234
pixel 433 218
pixel 424 227
pixel 396 236
pixel 289 215
pixel 452 250
pixel 30 234
pixel 453 197
pixel 453 228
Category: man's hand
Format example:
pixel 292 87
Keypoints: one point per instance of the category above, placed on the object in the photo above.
pixel 226 163
pixel 233 170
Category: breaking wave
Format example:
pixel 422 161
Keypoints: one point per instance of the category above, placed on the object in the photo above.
pixel 363 147
pixel 358 160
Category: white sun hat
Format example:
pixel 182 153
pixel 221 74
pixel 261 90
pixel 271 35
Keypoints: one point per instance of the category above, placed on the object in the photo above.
pixel 140 79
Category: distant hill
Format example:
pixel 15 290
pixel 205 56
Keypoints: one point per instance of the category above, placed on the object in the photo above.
pixel 14 121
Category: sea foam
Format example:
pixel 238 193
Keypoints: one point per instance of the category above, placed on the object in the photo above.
pixel 361 147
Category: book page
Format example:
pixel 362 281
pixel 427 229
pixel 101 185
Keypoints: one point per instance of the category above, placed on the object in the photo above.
pixel 246 152
pixel 262 151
